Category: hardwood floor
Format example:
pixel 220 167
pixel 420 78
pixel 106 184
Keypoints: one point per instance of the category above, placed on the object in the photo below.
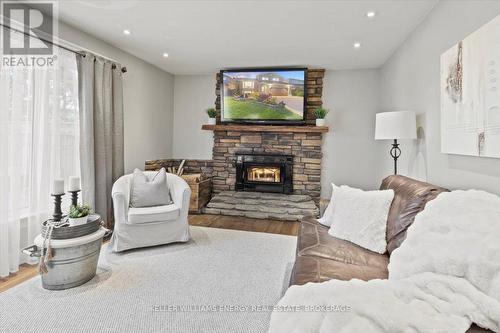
pixel 246 224
pixel 26 272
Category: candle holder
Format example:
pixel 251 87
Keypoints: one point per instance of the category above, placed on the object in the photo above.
pixel 57 215
pixel 74 197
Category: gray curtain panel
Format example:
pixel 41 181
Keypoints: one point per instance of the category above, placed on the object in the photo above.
pixel 101 131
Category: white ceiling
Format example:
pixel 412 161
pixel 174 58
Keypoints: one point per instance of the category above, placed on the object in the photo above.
pixel 205 36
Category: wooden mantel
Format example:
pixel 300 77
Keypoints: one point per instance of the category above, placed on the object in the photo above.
pixel 266 128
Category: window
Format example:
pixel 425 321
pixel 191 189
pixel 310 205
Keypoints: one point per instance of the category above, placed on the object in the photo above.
pixel 39 132
pixel 42 132
pixel 247 84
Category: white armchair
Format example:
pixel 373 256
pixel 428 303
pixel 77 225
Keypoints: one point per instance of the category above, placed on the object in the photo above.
pixel 149 226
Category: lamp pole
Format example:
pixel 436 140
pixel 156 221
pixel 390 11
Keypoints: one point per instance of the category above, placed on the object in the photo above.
pixel 395 153
pixel 394 126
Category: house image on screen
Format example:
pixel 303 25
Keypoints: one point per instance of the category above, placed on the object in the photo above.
pixel 265 83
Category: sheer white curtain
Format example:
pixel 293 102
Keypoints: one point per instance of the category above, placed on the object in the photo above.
pixel 39 141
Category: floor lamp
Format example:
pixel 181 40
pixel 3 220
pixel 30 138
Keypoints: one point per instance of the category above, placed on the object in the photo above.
pixel 394 126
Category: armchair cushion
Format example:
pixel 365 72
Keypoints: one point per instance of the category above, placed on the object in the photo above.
pixel 153 214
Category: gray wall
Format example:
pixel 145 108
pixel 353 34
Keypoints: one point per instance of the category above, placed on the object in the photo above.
pixel 351 155
pixel 193 94
pixel 411 80
pixel 148 101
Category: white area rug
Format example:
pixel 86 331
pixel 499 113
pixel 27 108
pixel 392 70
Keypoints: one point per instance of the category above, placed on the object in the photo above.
pixel 137 291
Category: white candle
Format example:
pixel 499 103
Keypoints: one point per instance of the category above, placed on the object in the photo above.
pixel 58 186
pixel 74 184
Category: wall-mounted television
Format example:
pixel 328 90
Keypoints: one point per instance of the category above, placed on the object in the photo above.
pixel 264 96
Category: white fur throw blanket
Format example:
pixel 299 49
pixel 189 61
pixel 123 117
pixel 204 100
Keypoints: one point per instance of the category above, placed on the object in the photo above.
pixel 445 276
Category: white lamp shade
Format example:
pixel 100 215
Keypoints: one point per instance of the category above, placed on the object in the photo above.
pixel 395 125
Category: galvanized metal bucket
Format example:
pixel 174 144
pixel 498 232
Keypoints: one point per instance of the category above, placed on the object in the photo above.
pixel 74 260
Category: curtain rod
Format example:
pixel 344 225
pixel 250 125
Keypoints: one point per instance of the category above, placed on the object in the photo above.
pixel 124 69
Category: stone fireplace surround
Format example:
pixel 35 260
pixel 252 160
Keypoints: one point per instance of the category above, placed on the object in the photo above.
pixel 302 142
pixel 304 147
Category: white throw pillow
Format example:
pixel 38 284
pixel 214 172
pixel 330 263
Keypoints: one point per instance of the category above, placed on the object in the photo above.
pixel 327 217
pixel 146 192
pixel 361 217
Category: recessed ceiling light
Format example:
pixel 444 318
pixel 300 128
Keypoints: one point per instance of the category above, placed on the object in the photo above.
pixel 357 45
pixel 370 14
pixel 126 32
pixel 165 55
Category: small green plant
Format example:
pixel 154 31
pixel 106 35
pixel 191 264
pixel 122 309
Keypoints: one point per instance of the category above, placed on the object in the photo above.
pixel 211 113
pixel 79 211
pixel 320 113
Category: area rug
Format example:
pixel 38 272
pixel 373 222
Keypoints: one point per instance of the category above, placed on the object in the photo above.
pixel 220 281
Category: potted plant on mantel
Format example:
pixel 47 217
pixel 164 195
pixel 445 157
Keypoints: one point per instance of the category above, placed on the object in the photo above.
pixel 320 114
pixel 211 116
pixel 78 214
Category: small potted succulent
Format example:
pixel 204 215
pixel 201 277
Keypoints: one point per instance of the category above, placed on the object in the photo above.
pixel 78 214
pixel 211 116
pixel 320 114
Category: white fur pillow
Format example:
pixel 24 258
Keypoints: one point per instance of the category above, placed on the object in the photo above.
pixel 327 217
pixel 361 217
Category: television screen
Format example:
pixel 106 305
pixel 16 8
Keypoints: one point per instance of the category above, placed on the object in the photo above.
pixel 267 95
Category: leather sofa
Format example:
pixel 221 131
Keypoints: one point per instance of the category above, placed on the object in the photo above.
pixel 321 257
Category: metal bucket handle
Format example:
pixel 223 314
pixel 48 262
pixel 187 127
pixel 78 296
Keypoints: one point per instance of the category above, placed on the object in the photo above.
pixel 108 233
pixel 35 251
pixel 32 251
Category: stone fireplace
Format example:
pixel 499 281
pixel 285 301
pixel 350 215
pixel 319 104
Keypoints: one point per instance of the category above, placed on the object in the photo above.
pixel 282 161
pixel 264 173
pixel 300 143
pixel 248 159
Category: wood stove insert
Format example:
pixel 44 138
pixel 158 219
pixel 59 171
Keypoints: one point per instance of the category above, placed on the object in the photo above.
pixel 264 173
